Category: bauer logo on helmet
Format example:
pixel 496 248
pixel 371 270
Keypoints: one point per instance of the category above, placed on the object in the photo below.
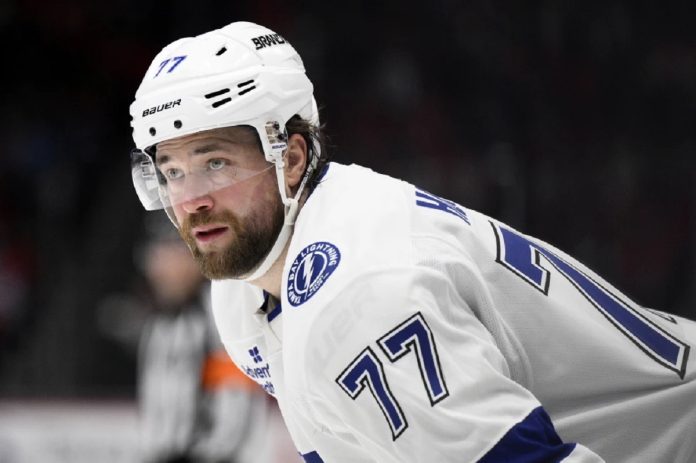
pixel 162 107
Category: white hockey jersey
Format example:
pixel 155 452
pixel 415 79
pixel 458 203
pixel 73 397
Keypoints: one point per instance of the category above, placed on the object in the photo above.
pixel 412 329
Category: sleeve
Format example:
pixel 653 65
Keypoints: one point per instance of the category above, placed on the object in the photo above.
pixel 400 370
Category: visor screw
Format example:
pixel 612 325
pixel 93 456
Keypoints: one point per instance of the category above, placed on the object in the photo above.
pixel 177 124
pixel 153 131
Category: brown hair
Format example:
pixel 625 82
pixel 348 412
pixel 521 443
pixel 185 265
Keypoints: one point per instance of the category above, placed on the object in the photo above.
pixel 314 137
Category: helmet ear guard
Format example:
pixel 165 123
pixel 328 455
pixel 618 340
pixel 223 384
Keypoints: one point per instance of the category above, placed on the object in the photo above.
pixel 241 74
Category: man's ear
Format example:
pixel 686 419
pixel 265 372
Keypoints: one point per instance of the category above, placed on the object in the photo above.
pixel 295 162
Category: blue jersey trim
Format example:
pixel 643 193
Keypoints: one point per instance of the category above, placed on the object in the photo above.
pixel 323 172
pixel 532 440
pixel 275 312
pixel 264 305
pixel 320 177
pixel 312 457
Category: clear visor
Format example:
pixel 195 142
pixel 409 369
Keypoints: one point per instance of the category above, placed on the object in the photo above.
pixel 173 183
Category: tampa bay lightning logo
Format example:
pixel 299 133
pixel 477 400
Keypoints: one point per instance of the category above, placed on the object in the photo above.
pixel 310 270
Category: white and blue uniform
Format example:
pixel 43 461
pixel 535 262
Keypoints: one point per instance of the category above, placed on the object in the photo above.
pixel 412 329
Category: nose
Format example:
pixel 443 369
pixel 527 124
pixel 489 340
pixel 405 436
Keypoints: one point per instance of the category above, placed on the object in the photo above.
pixel 198 204
pixel 193 194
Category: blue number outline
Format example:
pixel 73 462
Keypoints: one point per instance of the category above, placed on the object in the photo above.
pixel 365 377
pixel 680 362
pixel 425 348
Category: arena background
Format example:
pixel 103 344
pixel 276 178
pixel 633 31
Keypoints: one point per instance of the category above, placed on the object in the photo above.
pixel 572 121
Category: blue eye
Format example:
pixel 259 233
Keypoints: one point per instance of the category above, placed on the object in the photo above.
pixel 173 174
pixel 217 164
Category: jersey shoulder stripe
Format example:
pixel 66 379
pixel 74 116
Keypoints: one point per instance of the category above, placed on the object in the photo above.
pixel 531 440
pixel 312 457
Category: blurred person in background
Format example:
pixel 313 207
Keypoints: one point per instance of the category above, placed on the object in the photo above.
pixel 195 405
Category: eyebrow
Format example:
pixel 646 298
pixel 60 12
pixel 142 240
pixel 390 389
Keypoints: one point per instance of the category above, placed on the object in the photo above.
pixel 207 148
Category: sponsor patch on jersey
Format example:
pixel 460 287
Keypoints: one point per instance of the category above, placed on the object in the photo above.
pixel 310 270
pixel 259 370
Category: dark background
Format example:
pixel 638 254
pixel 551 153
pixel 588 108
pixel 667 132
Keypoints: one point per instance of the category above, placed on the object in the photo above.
pixel 569 120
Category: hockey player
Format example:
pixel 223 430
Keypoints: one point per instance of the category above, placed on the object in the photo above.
pixel 392 325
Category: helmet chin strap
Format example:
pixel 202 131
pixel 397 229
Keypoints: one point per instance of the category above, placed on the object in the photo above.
pixel 291 210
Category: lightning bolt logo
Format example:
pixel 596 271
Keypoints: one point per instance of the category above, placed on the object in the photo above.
pixel 310 270
pixel 307 271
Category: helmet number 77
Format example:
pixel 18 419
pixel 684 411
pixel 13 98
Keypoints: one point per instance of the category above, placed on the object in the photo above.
pixel 175 62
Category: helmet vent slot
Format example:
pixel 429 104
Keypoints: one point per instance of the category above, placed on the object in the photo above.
pixel 246 87
pixel 247 90
pixel 217 93
pixel 221 51
pixel 222 102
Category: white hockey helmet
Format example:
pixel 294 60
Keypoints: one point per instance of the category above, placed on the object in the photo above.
pixel 241 74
